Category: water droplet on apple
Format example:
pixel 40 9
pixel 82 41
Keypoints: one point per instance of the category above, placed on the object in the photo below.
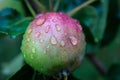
pixel 59 17
pixel 54 20
pixel 29 31
pixel 33 42
pixel 33 50
pixel 73 40
pixel 40 21
pixel 57 27
pixel 80 28
pixel 47 28
pixel 39 15
pixel 62 43
pixel 37 34
pixel 53 40
pixel 48 46
pixel 28 39
pixel 41 40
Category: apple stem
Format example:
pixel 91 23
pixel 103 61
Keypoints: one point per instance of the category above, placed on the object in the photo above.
pixel 30 8
pixel 57 5
pixel 51 5
pixel 39 7
pixel 35 7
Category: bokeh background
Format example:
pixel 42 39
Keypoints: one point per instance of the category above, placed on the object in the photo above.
pixel 101 24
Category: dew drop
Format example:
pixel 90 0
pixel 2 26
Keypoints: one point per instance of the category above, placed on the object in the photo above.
pixel 53 40
pixel 33 50
pixel 60 13
pixel 48 46
pixel 28 39
pixel 65 34
pixel 57 27
pixel 80 28
pixel 33 42
pixel 73 40
pixel 29 31
pixel 62 43
pixel 40 21
pixel 54 20
pixel 41 40
pixel 47 28
pixel 39 15
pixel 75 20
pixel 37 34
pixel 59 18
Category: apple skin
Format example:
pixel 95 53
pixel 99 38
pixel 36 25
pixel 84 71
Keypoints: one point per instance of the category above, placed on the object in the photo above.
pixel 53 42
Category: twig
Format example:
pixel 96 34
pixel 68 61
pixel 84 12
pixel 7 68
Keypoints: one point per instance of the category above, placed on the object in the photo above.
pixel 80 7
pixel 40 7
pixel 51 5
pixel 30 8
pixel 57 5
pixel 99 66
pixel 37 6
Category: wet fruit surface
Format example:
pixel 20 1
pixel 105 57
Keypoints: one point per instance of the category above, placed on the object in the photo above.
pixel 53 42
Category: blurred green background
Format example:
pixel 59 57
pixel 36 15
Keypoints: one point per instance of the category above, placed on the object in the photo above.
pixel 101 25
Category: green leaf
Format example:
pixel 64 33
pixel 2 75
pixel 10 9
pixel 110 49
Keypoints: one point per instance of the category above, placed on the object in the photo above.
pixel 112 24
pixel 98 30
pixel 14 4
pixel 18 27
pixel 13 23
pixel 114 72
pixel 88 34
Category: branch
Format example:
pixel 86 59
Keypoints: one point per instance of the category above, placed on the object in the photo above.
pixel 57 5
pixel 37 6
pixel 99 66
pixel 51 5
pixel 80 7
pixel 30 8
